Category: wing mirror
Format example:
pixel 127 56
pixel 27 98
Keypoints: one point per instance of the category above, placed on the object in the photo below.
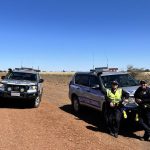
pixel 2 77
pixel 96 86
pixel 41 80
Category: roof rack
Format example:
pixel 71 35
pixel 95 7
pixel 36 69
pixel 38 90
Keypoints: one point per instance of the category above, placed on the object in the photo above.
pixel 27 69
pixel 103 69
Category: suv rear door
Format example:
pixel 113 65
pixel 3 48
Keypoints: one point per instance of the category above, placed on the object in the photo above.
pixel 89 96
pixel 82 87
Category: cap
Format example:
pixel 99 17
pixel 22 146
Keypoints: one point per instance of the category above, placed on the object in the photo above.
pixel 142 82
pixel 114 82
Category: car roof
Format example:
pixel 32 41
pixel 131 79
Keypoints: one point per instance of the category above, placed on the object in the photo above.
pixel 82 73
pixel 25 70
pixel 113 73
pixel 102 73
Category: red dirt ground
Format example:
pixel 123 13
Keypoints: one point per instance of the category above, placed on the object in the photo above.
pixel 53 126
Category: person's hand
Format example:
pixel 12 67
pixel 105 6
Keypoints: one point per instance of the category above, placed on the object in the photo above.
pixel 138 100
pixel 112 104
pixel 125 100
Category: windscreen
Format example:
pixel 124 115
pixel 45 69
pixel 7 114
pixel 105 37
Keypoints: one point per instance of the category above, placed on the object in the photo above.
pixel 22 76
pixel 124 80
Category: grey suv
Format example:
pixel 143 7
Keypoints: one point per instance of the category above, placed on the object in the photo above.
pixel 86 88
pixel 22 83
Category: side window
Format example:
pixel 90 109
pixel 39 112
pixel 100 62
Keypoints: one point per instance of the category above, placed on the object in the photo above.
pixel 93 81
pixel 82 80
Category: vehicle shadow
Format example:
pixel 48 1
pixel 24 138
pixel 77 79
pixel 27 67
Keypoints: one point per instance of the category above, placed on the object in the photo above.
pixel 14 103
pixel 90 116
pixel 97 124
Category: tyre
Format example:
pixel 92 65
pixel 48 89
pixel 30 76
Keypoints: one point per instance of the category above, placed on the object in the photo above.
pixel 76 105
pixel 36 102
pixel 104 114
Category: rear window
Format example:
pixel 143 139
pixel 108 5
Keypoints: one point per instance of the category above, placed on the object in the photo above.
pixel 82 80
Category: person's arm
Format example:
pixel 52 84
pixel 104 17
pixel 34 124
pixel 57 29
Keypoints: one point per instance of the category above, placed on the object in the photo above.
pixel 137 96
pixel 125 95
pixel 147 99
pixel 103 89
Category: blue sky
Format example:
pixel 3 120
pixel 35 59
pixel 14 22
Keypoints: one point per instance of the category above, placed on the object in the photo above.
pixel 74 34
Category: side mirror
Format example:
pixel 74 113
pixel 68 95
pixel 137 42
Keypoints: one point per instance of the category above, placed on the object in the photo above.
pixel 41 80
pixel 96 86
pixel 71 82
pixel 2 77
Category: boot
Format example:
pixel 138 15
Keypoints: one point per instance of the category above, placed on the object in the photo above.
pixel 116 135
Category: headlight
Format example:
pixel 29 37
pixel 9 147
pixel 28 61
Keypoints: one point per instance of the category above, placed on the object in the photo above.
pixel 32 87
pixel 2 88
pixel 22 90
pixel 9 89
pixel 1 85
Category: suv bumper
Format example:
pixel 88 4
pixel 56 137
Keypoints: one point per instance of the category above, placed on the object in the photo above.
pixel 131 111
pixel 24 95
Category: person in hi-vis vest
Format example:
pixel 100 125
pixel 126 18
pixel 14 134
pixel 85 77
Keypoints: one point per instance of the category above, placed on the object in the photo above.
pixel 114 108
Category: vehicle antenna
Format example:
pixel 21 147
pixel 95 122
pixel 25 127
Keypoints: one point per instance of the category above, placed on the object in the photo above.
pixel 107 61
pixel 93 60
pixel 21 63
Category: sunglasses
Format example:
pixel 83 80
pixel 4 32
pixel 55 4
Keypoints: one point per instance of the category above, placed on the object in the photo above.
pixel 143 83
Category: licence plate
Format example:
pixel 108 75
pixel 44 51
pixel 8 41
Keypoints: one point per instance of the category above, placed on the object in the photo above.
pixel 15 94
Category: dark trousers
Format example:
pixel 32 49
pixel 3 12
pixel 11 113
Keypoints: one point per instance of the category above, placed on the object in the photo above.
pixel 113 118
pixel 144 120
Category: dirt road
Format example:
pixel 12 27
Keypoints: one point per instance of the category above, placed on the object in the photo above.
pixel 54 127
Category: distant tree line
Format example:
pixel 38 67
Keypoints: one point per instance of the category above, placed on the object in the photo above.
pixel 130 68
pixel 134 71
pixel 3 71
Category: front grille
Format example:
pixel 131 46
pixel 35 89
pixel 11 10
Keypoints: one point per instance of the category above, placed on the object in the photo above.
pixel 16 88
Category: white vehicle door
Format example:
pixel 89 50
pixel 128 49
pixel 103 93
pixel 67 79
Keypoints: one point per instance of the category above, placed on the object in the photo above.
pixel 82 88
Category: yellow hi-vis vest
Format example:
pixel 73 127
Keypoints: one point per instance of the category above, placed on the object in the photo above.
pixel 115 98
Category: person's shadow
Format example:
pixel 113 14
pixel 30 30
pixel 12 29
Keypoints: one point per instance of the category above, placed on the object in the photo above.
pixel 97 123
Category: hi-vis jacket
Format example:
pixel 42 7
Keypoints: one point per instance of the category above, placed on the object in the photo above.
pixel 116 96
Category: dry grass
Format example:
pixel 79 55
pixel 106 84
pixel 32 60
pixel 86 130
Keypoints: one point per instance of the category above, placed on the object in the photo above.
pixel 2 74
pixel 64 77
pixel 57 79
pixel 143 76
pixel 57 73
